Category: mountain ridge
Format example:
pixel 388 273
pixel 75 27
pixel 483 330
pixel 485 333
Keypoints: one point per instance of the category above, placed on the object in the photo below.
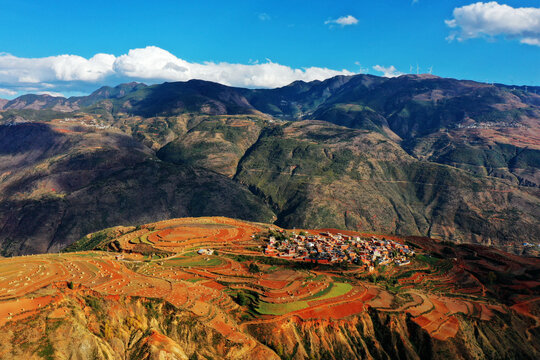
pixel 294 88
pixel 356 152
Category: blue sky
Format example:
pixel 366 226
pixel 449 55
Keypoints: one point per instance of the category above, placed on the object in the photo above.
pixel 290 35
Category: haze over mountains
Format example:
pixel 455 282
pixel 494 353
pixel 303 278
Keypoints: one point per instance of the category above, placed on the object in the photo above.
pixel 413 155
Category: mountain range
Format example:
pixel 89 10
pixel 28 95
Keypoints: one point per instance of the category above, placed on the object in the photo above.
pixel 412 155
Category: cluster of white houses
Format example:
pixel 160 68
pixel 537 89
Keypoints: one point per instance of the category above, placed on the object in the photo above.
pixel 332 248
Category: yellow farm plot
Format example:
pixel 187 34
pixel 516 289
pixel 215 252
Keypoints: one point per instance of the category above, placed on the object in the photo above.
pixel 333 291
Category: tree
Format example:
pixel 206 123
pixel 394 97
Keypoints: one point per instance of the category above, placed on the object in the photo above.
pixel 254 268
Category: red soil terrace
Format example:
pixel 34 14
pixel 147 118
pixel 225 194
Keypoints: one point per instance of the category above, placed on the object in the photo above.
pixel 203 284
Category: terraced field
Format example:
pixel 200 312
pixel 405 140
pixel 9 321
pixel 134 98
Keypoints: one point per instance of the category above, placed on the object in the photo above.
pixel 237 288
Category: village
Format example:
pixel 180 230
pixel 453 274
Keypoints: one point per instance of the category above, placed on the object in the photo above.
pixel 329 248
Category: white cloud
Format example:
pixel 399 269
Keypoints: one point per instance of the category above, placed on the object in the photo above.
pixel 531 41
pixel 492 19
pixel 158 64
pixel 343 21
pixel 7 92
pixel 264 17
pixel 389 71
pixel 69 73
pixel 361 69
pixel 54 68
pixel 51 93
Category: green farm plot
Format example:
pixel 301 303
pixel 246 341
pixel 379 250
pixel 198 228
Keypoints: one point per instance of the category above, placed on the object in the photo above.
pixel 189 254
pixel 332 291
pixel 281 309
pixel 194 280
pixel 144 239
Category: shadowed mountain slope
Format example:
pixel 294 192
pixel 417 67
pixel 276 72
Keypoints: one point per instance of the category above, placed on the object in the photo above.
pixel 57 184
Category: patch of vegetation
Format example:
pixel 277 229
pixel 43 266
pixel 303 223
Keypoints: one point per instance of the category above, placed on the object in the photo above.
pixel 94 303
pixel 153 307
pixel 247 299
pixel 428 259
pixel 392 285
pixel 91 241
pixel 46 350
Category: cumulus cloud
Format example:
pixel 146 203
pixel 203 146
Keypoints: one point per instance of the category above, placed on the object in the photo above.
pixel 492 19
pixel 150 64
pixel 158 64
pixel 343 21
pixel 54 68
pixel 388 71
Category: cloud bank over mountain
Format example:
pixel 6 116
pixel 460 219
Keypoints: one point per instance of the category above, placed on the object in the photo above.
pixel 150 64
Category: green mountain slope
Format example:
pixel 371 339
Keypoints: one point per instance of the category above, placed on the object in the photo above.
pixel 217 143
pixel 320 175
